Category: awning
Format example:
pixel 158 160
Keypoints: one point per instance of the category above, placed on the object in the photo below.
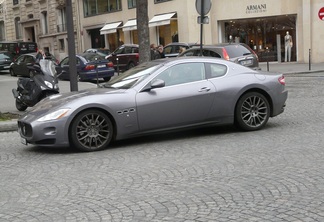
pixel 110 28
pixel 130 25
pixel 163 19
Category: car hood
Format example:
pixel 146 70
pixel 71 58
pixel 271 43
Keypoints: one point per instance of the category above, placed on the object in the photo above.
pixel 60 100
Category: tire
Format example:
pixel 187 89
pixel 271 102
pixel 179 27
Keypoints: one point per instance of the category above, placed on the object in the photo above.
pixel 20 106
pixel 130 65
pixel 106 79
pixel 12 73
pixel 252 111
pixel 91 130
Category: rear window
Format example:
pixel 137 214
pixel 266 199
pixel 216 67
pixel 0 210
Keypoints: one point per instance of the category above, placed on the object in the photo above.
pixel 237 50
pixel 92 57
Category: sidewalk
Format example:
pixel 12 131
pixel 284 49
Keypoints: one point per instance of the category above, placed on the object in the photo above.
pixel 285 68
pixel 292 67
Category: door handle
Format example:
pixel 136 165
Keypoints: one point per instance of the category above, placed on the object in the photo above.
pixel 204 89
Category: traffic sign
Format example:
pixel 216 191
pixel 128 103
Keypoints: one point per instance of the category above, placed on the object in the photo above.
pixel 203 7
pixel 321 14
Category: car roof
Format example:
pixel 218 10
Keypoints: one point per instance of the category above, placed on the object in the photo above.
pixel 182 43
pixel 130 45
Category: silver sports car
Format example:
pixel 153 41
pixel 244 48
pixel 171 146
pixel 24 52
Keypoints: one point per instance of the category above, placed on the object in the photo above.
pixel 165 94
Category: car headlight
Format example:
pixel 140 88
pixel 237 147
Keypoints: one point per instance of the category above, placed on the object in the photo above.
pixel 48 84
pixel 54 115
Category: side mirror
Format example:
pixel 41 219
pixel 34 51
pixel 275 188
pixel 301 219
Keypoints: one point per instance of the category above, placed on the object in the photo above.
pixel 157 83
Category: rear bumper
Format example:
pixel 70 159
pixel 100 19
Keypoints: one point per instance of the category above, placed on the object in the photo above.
pixel 94 74
pixel 280 104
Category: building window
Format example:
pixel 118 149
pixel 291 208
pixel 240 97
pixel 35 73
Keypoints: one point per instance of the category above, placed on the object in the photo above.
pixel 61 45
pixel 159 1
pixel 15 2
pixel 61 20
pixel 17 28
pixel 44 22
pixel 95 7
pixel 131 4
pixel 2 31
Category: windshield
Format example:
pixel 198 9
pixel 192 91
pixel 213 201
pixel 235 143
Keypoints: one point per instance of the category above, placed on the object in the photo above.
pixel 133 76
pixel 47 67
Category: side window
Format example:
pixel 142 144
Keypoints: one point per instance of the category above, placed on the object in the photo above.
pixel 216 70
pixel 78 61
pixel 167 50
pixel 21 59
pixel 183 73
pixel 65 61
pixel 128 50
pixel 29 59
pixel 189 53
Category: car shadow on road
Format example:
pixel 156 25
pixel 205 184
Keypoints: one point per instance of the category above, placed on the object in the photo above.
pixel 137 141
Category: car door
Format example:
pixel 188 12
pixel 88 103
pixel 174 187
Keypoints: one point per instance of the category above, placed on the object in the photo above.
pixel 17 63
pixel 185 99
pixel 28 62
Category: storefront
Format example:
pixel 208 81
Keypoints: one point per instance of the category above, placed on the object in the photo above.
pixel 266 36
pixel 263 25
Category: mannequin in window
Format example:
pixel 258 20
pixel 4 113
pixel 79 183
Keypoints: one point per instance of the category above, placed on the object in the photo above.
pixel 288 46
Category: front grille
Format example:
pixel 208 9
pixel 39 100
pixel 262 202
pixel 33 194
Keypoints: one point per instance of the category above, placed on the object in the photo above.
pixel 25 129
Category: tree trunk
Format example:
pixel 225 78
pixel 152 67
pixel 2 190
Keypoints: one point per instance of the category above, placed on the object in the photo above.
pixel 143 30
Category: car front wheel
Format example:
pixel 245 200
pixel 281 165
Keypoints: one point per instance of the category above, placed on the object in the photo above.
pixel 91 130
pixel 252 111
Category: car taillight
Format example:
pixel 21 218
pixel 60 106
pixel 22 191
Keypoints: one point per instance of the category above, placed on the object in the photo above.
pixel 282 80
pixel 225 55
pixel 90 67
pixel 137 55
pixel 110 64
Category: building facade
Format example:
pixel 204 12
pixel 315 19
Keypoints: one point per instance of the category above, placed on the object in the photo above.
pixel 262 24
pixel 41 21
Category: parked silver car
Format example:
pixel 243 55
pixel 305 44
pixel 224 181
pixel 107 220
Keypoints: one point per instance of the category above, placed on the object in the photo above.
pixel 164 94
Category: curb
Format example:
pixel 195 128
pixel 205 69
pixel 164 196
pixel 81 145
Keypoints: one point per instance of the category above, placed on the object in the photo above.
pixel 8 126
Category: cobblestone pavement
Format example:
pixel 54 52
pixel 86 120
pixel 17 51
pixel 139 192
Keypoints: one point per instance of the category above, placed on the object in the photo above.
pixel 214 174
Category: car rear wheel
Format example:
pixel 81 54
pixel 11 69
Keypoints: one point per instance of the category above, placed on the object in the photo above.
pixel 252 111
pixel 91 130
pixel 12 73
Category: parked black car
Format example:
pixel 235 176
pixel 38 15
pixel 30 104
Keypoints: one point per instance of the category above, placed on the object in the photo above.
pixel 237 52
pixel 22 66
pixel 6 58
pixel 127 56
pixel 174 49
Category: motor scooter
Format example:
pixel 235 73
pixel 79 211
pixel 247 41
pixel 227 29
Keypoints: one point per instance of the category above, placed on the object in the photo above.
pixel 42 83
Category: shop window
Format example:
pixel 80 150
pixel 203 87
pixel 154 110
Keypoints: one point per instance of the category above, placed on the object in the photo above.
pixel 131 4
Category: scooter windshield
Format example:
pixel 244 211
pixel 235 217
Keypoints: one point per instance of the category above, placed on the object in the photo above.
pixel 47 67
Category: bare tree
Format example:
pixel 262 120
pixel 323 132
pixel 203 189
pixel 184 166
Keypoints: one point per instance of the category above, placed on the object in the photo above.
pixel 143 30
